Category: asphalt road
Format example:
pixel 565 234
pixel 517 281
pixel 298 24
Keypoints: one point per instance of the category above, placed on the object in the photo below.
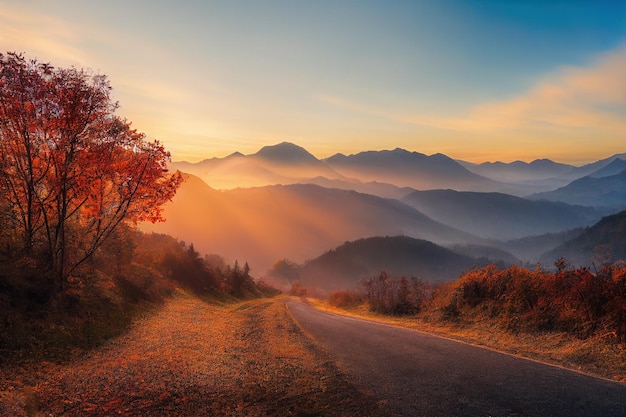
pixel 423 375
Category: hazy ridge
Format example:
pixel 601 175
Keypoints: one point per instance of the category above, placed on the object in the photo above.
pixel 349 263
pixel 261 225
pixel 604 242
pixel 284 203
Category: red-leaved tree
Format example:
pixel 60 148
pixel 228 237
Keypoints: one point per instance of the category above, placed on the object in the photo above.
pixel 71 169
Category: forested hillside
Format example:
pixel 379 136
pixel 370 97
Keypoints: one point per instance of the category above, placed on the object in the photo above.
pixel 601 244
pixel 346 265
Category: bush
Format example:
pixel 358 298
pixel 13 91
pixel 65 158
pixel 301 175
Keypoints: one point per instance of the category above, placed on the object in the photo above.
pixel 298 290
pixel 343 299
pixel 576 301
pixel 397 297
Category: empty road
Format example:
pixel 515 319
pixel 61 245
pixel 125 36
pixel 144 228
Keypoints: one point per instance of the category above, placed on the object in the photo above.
pixel 423 375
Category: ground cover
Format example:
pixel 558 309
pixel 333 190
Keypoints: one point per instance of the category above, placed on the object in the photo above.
pixel 192 358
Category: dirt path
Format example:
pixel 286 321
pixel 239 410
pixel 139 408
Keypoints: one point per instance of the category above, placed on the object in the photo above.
pixel 194 359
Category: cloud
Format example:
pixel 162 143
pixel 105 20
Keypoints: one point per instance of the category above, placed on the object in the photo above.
pixel 592 96
pixel 574 97
pixel 44 37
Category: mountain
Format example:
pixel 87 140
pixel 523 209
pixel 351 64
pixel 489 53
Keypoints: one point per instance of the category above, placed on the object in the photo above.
pixel 263 224
pixel 500 216
pixel 589 191
pixel 287 163
pixel 284 163
pixel 235 170
pixel 412 169
pixel 286 153
pixel 544 174
pixel 521 172
pixel 589 169
pixel 530 248
pixel 345 266
pixel 487 254
pixel 614 168
pixel 604 242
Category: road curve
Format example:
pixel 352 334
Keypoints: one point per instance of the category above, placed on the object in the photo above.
pixel 423 375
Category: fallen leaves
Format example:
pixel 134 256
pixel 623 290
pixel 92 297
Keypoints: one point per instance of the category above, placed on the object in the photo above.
pixel 199 359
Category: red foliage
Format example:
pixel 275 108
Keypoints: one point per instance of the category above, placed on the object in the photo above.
pixel 572 300
pixel 344 299
pixel 71 169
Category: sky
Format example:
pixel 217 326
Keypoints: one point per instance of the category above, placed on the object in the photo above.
pixel 480 80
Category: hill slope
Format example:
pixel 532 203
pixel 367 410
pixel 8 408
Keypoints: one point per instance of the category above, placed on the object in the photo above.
pixel 262 225
pixel 284 163
pixel 500 216
pixel 614 168
pixel 607 191
pixel 410 169
pixel 604 242
pixel 345 266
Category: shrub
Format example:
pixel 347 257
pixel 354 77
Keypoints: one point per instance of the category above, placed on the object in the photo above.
pixel 344 299
pixel 298 290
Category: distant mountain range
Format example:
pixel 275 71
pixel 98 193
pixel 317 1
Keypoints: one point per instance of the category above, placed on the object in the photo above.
pixel 390 173
pixel 410 169
pixel 614 168
pixel 531 248
pixel 519 171
pixel 284 203
pixel 542 170
pixel 284 163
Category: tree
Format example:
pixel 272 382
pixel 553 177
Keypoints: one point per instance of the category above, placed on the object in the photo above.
pixel 71 169
pixel 298 290
pixel 237 278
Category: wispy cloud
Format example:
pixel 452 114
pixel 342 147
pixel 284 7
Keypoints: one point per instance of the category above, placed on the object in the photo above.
pixel 592 96
pixel 41 36
pixel 575 97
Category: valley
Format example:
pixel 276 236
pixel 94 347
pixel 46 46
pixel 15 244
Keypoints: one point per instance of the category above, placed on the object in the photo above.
pixel 299 207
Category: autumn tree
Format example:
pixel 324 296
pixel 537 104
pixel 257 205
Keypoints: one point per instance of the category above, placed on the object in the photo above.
pixel 71 169
pixel 240 281
pixel 392 296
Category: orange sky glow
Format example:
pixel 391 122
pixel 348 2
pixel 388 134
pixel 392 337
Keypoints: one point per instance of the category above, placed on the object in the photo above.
pixel 211 79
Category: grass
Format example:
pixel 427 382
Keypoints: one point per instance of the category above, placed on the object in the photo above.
pixel 598 356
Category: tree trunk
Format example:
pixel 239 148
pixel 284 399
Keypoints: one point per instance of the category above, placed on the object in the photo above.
pixel 58 260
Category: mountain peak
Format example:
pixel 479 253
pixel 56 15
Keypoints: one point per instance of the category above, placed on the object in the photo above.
pixel 236 154
pixel 285 152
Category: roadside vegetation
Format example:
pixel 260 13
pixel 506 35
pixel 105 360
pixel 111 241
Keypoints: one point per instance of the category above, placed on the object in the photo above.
pixel 572 317
pixel 131 275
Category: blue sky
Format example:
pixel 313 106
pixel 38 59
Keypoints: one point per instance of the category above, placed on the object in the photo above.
pixel 477 80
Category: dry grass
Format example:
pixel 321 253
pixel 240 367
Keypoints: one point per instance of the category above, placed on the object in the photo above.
pixel 599 356
pixel 197 359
